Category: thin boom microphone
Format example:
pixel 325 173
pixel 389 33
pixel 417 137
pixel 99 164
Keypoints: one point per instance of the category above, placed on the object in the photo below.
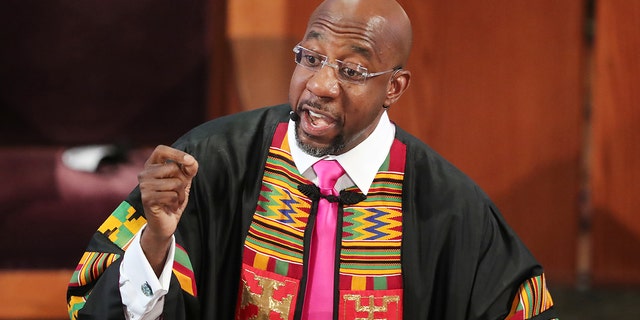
pixel 294 116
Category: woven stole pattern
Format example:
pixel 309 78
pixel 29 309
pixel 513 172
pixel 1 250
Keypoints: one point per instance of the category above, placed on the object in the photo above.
pixel 371 230
pixel 120 228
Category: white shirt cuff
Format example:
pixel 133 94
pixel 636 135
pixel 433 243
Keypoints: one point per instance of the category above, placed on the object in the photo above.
pixel 142 292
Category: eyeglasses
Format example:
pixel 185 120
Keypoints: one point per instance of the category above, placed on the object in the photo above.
pixel 346 71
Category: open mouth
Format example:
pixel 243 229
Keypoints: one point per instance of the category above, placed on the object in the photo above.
pixel 319 120
pixel 316 123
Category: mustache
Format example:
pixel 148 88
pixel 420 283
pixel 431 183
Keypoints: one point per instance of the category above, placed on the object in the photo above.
pixel 313 104
pixel 317 105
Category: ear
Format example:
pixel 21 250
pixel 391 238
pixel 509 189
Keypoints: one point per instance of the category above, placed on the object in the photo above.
pixel 397 85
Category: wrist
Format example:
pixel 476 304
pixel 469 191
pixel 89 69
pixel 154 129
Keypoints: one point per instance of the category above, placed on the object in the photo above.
pixel 155 248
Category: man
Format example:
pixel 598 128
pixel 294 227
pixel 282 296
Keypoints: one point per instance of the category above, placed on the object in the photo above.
pixel 228 223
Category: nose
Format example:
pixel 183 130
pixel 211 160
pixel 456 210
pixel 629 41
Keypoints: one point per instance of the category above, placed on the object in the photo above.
pixel 324 83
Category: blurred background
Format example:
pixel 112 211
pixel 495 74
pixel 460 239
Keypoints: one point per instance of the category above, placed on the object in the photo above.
pixel 536 100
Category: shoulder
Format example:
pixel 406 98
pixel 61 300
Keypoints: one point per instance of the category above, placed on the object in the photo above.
pixel 241 123
pixel 437 183
pixel 236 129
pixel 431 167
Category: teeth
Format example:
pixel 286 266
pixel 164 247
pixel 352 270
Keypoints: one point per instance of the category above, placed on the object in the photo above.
pixel 315 115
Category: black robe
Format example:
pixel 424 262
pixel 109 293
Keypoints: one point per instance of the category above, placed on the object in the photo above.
pixel 460 260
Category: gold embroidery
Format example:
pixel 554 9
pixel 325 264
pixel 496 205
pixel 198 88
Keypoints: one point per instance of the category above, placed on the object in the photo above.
pixel 265 301
pixel 371 308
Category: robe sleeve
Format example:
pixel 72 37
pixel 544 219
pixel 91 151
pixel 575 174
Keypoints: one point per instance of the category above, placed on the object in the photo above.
pixel 93 291
pixel 507 268
pixel 461 260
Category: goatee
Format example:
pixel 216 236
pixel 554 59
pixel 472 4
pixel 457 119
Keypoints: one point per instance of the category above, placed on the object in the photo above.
pixel 336 146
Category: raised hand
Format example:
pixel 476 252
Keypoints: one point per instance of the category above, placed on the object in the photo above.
pixel 164 184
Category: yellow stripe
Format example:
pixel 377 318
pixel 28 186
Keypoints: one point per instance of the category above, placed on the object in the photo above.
pixel 384 244
pixel 391 205
pixel 281 151
pixel 525 302
pixel 359 283
pixel 390 175
pixel 285 143
pixel 276 254
pixel 387 272
pixel 260 262
pixel 185 282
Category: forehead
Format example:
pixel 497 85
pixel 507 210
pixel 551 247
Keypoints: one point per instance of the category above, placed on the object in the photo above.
pixel 348 34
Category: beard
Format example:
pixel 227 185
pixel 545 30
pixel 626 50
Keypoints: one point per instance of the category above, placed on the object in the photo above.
pixel 335 147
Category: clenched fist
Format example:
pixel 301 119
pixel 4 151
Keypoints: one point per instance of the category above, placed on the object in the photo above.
pixel 164 187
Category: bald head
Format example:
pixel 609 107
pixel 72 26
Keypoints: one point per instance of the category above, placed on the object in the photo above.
pixel 385 23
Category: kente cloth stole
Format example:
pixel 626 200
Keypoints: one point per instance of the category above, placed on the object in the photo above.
pixel 369 268
pixel 119 228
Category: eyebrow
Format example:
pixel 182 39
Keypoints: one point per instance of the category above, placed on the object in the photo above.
pixel 313 35
pixel 362 51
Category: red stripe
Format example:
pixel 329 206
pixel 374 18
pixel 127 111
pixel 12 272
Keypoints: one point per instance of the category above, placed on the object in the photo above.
pixel 369 283
pixel 345 282
pixel 278 136
pixel 394 282
pixel 183 269
pixel 259 235
pixel 295 271
pixel 397 156
pixel 248 256
pixel 189 274
pixel 388 190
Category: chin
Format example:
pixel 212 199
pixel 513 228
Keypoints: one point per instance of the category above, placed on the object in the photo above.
pixel 319 150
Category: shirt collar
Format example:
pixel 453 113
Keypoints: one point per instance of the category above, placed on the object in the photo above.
pixel 374 148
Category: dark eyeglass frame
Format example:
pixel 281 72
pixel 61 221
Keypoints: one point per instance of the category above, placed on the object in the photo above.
pixel 346 71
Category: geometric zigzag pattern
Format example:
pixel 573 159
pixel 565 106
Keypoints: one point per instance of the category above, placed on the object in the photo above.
pixel 372 229
pixel 372 232
pixel 370 256
pixel 122 225
pixel 276 235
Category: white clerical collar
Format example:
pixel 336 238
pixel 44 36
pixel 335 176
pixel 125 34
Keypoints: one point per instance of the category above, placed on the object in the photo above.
pixel 360 163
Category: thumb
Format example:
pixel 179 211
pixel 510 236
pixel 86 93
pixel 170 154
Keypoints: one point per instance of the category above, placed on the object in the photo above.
pixel 189 165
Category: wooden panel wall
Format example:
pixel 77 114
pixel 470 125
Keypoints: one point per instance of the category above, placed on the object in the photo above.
pixel 497 89
pixel 616 144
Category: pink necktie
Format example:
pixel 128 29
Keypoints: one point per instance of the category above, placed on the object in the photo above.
pixel 319 297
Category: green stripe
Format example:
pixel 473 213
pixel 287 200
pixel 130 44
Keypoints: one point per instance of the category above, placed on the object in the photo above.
pixel 181 257
pixel 282 268
pixel 385 164
pixel 380 283
pixel 278 235
pixel 375 253
pixel 280 163
pixel 370 267
pixel 271 247
pixel 396 185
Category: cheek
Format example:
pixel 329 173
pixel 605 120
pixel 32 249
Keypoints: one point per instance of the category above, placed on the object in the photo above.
pixel 365 109
pixel 296 86
pixel 363 116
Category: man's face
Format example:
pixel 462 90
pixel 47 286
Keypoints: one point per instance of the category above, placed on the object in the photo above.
pixel 336 115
